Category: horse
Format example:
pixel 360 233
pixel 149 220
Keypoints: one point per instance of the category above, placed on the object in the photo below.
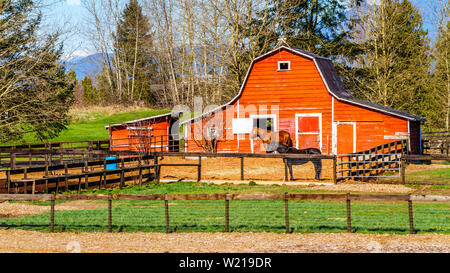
pixel 283 149
pixel 282 137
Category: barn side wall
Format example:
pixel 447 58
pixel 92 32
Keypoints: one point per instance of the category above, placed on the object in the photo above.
pixel 121 139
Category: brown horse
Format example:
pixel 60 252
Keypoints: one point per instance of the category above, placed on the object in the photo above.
pixel 282 137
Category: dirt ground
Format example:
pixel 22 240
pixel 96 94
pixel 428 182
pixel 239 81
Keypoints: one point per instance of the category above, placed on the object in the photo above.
pixel 257 169
pixel 33 241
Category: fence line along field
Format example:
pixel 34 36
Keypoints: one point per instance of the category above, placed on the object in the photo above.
pixel 288 212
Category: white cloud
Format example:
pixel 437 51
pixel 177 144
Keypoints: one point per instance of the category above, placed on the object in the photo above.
pixel 73 2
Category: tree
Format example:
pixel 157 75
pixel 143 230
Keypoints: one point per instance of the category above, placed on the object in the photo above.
pixel 35 91
pixel 440 117
pixel 89 91
pixel 134 47
pixel 312 25
pixel 393 67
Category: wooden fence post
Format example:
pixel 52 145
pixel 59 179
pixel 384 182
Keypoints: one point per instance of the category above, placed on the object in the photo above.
pixel 12 161
pixel 285 170
pixel 349 214
pixel 52 214
pixel 286 211
pixel 140 173
pixel 199 169
pixel 8 181
pixel 166 212
pixel 335 169
pixel 46 180
pixel 242 168
pixel 411 220
pixel 122 174
pixel 109 213
pixel 227 213
pixel 66 172
pixel 403 170
pixel 29 155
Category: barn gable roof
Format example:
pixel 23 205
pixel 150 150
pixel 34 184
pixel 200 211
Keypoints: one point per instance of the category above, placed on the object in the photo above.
pixel 131 122
pixel 332 82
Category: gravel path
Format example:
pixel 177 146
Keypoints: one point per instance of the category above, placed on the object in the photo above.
pixel 33 241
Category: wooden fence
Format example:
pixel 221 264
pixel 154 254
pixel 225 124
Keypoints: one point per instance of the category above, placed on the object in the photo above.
pixel 14 155
pixel 436 142
pixel 86 169
pixel 373 162
pixel 286 197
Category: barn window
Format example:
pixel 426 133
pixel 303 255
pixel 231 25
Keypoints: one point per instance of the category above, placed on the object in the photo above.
pixel 263 123
pixel 284 65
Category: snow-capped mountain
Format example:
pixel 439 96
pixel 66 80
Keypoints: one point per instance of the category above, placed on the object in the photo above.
pixel 84 63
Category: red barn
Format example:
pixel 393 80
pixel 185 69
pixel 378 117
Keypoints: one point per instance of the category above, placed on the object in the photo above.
pixel 147 134
pixel 300 92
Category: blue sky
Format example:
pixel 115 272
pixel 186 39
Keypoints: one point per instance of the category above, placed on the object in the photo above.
pixel 70 14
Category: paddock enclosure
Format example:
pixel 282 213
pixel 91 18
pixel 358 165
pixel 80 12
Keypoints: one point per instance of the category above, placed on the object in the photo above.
pixel 296 91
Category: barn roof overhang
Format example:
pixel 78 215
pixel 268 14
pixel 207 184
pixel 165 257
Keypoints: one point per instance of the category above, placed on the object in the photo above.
pixel 331 80
pixel 174 115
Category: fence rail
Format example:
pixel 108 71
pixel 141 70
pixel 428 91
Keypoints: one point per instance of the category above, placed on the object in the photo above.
pixel 13 155
pixel 286 197
pixel 436 142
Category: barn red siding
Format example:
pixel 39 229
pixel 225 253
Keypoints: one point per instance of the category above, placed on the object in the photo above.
pixel 121 138
pixel 300 91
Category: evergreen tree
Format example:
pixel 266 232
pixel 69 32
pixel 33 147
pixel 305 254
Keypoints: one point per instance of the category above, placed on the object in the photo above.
pixel 439 115
pixel 393 67
pixel 89 91
pixel 134 50
pixel 35 91
pixel 312 25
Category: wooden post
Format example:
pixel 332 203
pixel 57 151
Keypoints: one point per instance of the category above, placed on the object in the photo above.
pixel 286 212
pixel 46 180
pixel 12 162
pixel 140 174
pixel 199 169
pixel 57 185
pixel 227 214
pixel 52 214
pixel 122 178
pixel 242 168
pixel 109 213
pixel 335 169
pixel 285 170
pixel 349 214
pixel 29 155
pixel 86 181
pixel 157 169
pixel 166 211
pixel 79 185
pixel 25 173
pixel 411 220
pixel 66 172
pixel 8 181
pixel 403 170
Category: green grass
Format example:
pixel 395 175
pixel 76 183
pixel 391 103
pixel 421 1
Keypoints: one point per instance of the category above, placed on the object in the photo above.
pixel 436 175
pixel 92 125
pixel 441 175
pixel 245 216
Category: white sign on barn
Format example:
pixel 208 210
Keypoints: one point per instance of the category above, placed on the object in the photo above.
pixel 242 125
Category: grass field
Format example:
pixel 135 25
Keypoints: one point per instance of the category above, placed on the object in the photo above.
pixel 89 124
pixel 256 216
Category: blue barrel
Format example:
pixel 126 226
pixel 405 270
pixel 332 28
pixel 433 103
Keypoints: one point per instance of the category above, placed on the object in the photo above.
pixel 111 166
